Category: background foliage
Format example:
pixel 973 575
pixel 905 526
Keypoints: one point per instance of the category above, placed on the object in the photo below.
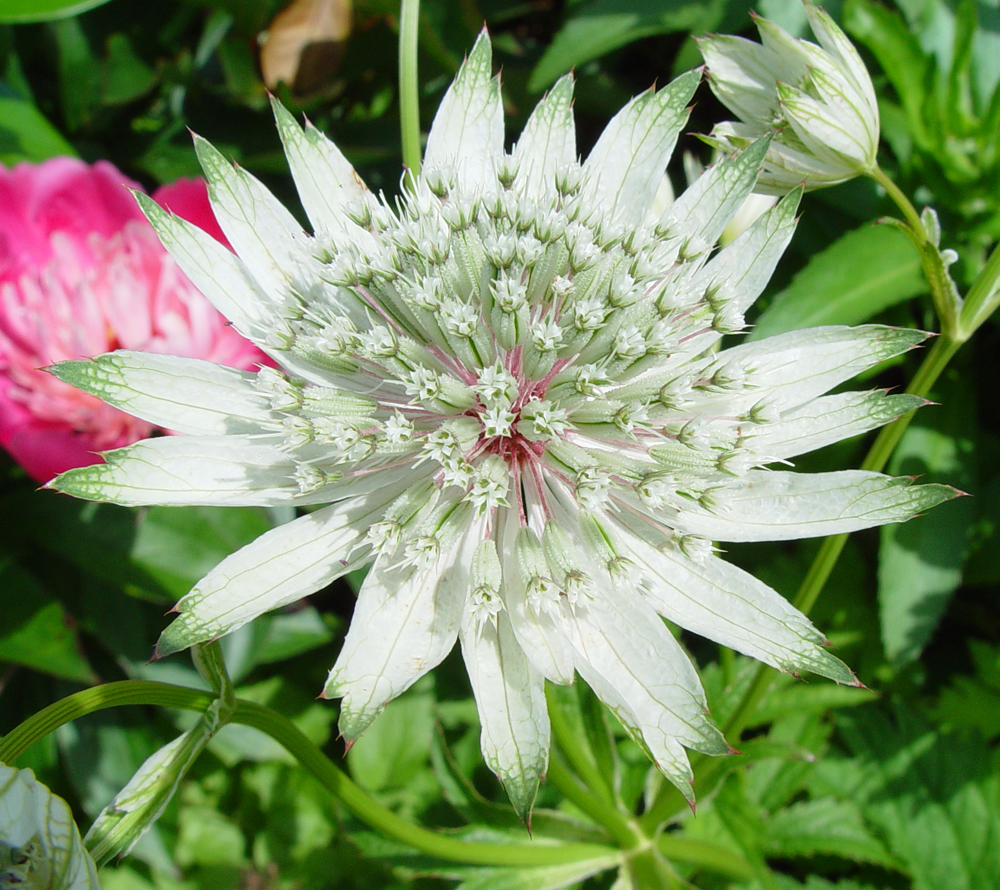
pixel 890 787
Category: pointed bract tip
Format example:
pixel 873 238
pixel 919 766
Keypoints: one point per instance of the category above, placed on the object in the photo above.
pixel 733 750
pixel 348 744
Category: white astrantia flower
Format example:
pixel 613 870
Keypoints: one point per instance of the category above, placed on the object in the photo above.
pixel 504 384
pixel 820 100
pixel 40 844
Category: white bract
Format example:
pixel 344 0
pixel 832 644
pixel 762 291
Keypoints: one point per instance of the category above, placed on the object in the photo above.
pixel 40 844
pixel 505 387
pixel 820 100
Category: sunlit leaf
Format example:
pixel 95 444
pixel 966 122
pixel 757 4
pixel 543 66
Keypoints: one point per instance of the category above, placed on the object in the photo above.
pixel 865 271
pixel 21 11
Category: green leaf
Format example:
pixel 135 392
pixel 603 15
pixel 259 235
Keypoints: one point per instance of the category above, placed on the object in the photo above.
pixel 934 797
pixel 397 746
pixel 25 134
pixel 289 634
pixel 543 877
pixel 595 27
pixel 36 631
pixel 885 34
pixel 800 698
pixel 21 11
pixel 209 838
pixel 579 715
pixel 178 545
pixel 814 882
pixel 79 74
pixel 127 77
pixel 974 702
pixel 921 561
pixel 825 826
pixel 865 271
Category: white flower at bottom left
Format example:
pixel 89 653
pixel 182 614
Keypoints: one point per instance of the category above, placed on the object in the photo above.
pixel 40 845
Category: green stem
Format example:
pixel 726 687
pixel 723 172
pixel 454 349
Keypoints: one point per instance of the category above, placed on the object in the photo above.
pixel 282 730
pixel 648 870
pixel 705 856
pixel 899 199
pixel 947 302
pixel 569 743
pixel 384 820
pixel 624 831
pixel 409 94
pixel 108 695
pixel 983 297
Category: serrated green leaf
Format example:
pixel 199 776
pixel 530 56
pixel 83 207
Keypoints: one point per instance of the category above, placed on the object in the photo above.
pixel 920 563
pixel 865 271
pixel 774 782
pixel 825 826
pixel 974 702
pixel 934 797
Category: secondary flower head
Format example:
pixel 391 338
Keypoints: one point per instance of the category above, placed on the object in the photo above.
pixel 820 99
pixel 505 384
pixel 40 844
pixel 81 273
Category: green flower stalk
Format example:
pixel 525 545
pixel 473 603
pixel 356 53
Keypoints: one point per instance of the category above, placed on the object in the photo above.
pixel 818 100
pixel 507 387
pixel 120 825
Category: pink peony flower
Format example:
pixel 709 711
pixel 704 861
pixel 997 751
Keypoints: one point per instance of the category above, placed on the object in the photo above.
pixel 81 273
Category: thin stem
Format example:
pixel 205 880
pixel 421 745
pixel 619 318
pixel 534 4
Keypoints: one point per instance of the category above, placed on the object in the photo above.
pixel 624 831
pixel 899 199
pixel 108 695
pixel 384 820
pixel 282 730
pixel 409 94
